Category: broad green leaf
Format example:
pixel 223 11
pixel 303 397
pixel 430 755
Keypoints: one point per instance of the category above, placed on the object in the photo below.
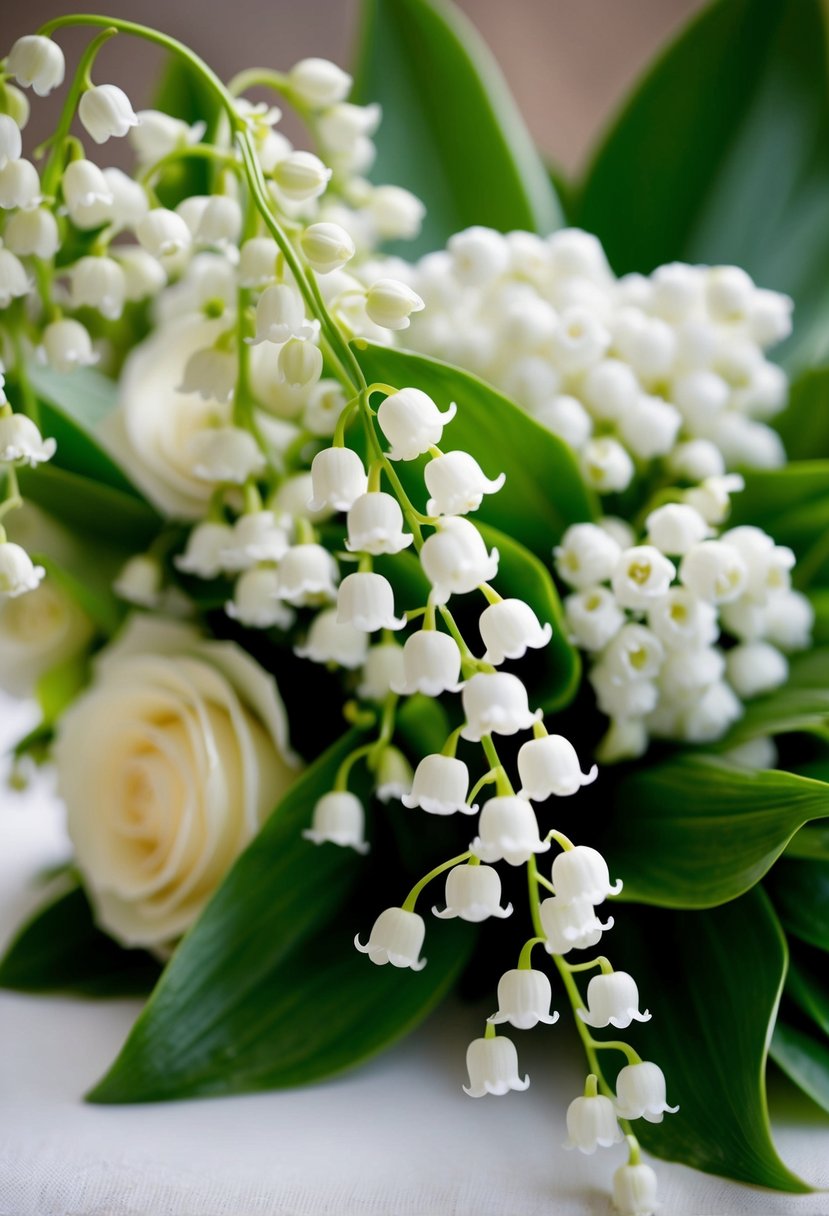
pixel 722 155
pixel 92 508
pixel 802 703
pixel 552 674
pixel 72 406
pixel 820 602
pixel 792 504
pixel 807 983
pixel 544 492
pixel 451 133
pixel 804 424
pixel 266 989
pixel 800 891
pixel 810 843
pixel 805 1060
pixel 184 94
pixel 693 832
pixel 712 981
pixel 58 686
pixel 61 950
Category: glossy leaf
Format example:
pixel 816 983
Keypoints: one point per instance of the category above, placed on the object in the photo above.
pixel 693 832
pixel 800 891
pixel 807 983
pixel 712 981
pixel 543 493
pixel 722 155
pixel 451 132
pixel 61 950
pixel 802 703
pixel 91 507
pixel 267 990
pixel 804 424
pixel 805 1060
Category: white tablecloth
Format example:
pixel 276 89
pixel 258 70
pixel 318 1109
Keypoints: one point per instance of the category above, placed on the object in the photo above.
pixel 396 1138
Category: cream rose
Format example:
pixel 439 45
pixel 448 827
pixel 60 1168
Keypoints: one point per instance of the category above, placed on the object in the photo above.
pixel 168 764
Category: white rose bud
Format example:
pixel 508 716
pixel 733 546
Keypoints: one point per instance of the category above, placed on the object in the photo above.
pixel 37 62
pixel 390 303
pixel 318 83
pixel 327 247
pixel 106 111
pixel 32 233
pixel 301 176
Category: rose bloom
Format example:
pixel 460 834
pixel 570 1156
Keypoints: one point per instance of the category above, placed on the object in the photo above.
pixel 168 765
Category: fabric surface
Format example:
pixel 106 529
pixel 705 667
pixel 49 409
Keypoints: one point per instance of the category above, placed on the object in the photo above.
pixel 396 1138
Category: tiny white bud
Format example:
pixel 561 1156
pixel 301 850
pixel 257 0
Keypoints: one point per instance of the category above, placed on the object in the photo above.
pixel 769 317
pixel 396 213
pixel 32 233
pixel 318 83
pixel 17 572
pixel 479 255
pixel 19 185
pixel 566 417
pixel 37 62
pixel 300 363
pixel 14 282
pixel 712 498
pixel 710 717
pixel 338 818
pixel 390 303
pixel 790 619
pixel 610 390
pixel 105 111
pixel 158 134
pixel 343 126
pixel 11 144
pixel 327 247
pixel 728 292
pixel 301 176
pixel 695 460
pixel 650 427
pixel 68 345
pixel 163 233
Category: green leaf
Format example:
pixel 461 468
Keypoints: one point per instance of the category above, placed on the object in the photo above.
pixel 451 133
pixel 183 93
pixel 552 674
pixel 61 950
pixel 544 492
pixel 800 891
pixel 792 504
pixel 58 686
pixel 807 985
pixel 804 424
pixel 92 507
pixel 693 832
pixel 722 155
pixel 820 602
pixel 802 703
pixel 266 989
pixel 805 1060
pixel 712 981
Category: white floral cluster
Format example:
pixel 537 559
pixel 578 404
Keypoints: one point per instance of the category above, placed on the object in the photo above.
pixel 21 444
pixel 685 626
pixel 667 367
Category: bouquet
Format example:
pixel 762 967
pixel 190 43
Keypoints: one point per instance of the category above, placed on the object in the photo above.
pixel 418 557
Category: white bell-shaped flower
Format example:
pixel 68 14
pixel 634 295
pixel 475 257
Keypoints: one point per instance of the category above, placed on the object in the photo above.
pixel 509 629
pixel 220 222
pixel 610 390
pixel 440 786
pixel 640 1093
pixel 495 703
pixel 508 831
pixel 714 571
pixel 14 281
pixel 412 423
pixel 592 1124
pixel 712 497
pixel 582 873
pixel 612 1000
pixel 550 766
pixel 140 581
pixel 67 345
pixel 32 233
pixel 390 303
pixel 479 255
pixel 651 427
pixel 455 559
pixel 675 527
pixel 163 234
pixel 396 214
pixel 790 619
pixel 492 1065
pixel 36 62
pixel 571 924
pixel 18 574
pixel 225 454
pixel 211 374
pixel 432 664
pixel 301 176
pixel 710 717
pixel 622 698
pixel 640 576
pixel 586 555
pixel 158 134
pixel 338 479
pixel 635 1190
pixel 318 83
pixel 635 653
pixel 566 417
pixel 143 275
pixel 457 484
pixel 256 600
pixel 19 185
pixel 606 465
pixel 396 937
pixel 382 671
pixel 280 315
pixel 99 282
pixel 593 617
pixel 393 776
pixel 681 621
pixel 330 642
pixel 754 668
pixel 473 893
pixel 366 601
pixel 524 997
pixel 327 247
pixel 769 565
pixel 308 574
pixel 375 525
pixel 11 145
pixel 21 441
pixel 204 553
pixel 686 673
pixel 256 537
pixel 106 111
pixel 257 261
pixel 86 193
pixel 338 818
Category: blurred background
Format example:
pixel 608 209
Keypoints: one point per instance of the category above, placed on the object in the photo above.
pixel 568 62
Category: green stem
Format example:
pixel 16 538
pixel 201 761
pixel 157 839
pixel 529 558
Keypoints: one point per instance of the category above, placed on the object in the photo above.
pixel 411 899
pixel 80 83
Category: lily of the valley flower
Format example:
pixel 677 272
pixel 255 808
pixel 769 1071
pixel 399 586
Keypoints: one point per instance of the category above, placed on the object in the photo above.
pixel 493 1067
pixel 339 818
pixel 455 559
pixel 375 525
pixel 318 83
pixel 330 642
pixel 432 664
pixel 67 345
pixel 508 831
pixel 106 111
pixel 382 669
pixel 307 575
pixel 582 873
pixel 635 1190
pixel 18 574
pixel 204 553
pixel 390 303
pixel 22 442
pixel 256 601
pixel 612 1000
pixel 640 1093
pixel 495 703
pixel 338 479
pixel 225 454
pixel 571 924
pixel 37 62
pixel 473 893
pixel 412 423
pixel 457 484
pixel 592 1123
pixel 550 766
pixel 396 937
pixel 366 601
pixel 440 786
pixel 510 628
pixel 524 997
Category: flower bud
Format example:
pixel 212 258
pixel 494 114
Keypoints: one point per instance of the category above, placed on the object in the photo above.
pixel 36 62
pixel 307 575
pixel 256 602
pixel 455 559
pixel 492 1065
pixel 330 642
pixel 280 315
pixel 225 453
pixel 610 390
pixel 301 176
pixel 634 1190
pixel 11 144
pixel 524 998
pixel 366 601
pixel 650 428
pixel 396 937
pixel 586 555
pixel 695 460
pixel 432 664
pixel 342 127
pixel 338 818
pixel 593 617
pixel 257 261
pixel 412 423
pixel 606 465
pixel 592 1124
pixel 473 893
pixel 396 213
pixel 17 572
pixel 68 345
pixel 790 619
pixel 375 525
pixel 567 418
pixel 300 363
pixel 508 831
pixel 14 282
pixel 21 441
pixel 140 581
pixel 163 233
pixel 712 498
pixel 98 282
pixel 157 135
pixel 106 111
pixel 32 233
pixel 318 83
pixel 19 185
pixel 675 528
pixel 327 247
pixel 479 255
pixel 754 668
pixel 550 766
pixel 88 197
pixel 714 571
pixel 440 786
pixel 393 775
pixel 622 698
pixel 390 303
